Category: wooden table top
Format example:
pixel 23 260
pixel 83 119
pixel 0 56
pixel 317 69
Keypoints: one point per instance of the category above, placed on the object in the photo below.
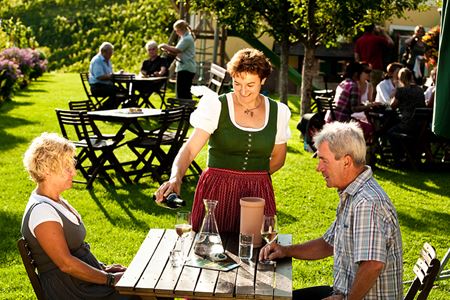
pixel 151 273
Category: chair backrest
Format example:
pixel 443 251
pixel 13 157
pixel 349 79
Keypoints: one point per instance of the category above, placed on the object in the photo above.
pixel 86 105
pixel 426 270
pixel 217 76
pixel 77 122
pixel 87 89
pixel 30 267
pixel 175 121
pixel 176 102
pixel 324 104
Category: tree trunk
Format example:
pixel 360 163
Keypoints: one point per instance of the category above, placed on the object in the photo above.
pixel 283 74
pixel 307 78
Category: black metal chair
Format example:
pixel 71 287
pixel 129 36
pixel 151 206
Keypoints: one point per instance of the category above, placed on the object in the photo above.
pixel 123 82
pixel 86 136
pixel 174 124
pixel 143 97
pixel 86 105
pixel 96 100
pixel 323 104
pixel 426 270
pixel 30 267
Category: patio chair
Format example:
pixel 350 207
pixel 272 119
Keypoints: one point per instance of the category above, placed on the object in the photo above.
pixel 123 82
pixel 323 104
pixel 217 76
pixel 145 97
pixel 444 274
pixel 86 136
pixel 426 270
pixel 30 267
pixel 96 100
pixel 86 105
pixel 173 128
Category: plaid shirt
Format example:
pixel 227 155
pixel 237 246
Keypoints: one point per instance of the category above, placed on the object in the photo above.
pixel 347 95
pixel 366 228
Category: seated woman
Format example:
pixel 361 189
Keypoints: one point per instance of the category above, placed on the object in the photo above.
pixel 365 91
pixel 385 90
pixel 408 97
pixel 55 231
pixel 154 66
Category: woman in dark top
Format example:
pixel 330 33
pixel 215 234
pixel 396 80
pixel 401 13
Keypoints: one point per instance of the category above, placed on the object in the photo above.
pixel 408 97
pixel 55 231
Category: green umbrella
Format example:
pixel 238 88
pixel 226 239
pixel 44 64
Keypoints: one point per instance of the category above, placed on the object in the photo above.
pixel 441 115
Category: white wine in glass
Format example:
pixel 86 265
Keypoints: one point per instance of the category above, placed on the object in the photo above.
pixel 183 227
pixel 269 232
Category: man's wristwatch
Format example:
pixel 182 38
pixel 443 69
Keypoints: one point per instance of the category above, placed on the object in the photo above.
pixel 110 279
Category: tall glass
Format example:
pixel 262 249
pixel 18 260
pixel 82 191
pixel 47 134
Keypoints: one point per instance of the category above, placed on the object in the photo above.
pixel 183 227
pixel 269 233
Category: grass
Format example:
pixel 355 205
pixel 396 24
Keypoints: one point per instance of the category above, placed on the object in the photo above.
pixel 118 219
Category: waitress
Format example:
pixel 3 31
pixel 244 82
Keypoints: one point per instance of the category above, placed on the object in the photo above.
pixel 247 135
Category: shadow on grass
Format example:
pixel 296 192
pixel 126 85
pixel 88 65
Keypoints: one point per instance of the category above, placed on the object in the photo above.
pixel 10 233
pixel 426 221
pixel 431 181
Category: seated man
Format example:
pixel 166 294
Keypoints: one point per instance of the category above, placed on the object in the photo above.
pixel 154 66
pixel 100 76
pixel 365 237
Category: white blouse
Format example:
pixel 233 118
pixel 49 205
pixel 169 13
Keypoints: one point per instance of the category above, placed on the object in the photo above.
pixel 46 212
pixel 385 90
pixel 207 115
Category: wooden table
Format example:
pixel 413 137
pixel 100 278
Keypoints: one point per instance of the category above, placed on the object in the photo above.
pixel 151 273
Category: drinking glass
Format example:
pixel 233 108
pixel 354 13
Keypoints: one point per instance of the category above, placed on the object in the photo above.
pixel 183 227
pixel 269 233
pixel 245 246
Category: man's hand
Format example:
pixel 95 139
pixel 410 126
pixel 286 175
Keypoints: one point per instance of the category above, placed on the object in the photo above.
pixel 115 268
pixel 272 251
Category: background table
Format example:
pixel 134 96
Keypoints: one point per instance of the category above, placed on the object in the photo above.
pixel 151 273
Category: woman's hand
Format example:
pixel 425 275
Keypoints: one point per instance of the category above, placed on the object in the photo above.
pixel 173 185
pixel 115 268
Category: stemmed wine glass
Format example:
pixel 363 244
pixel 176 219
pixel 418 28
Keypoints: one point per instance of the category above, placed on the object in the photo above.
pixel 183 227
pixel 269 232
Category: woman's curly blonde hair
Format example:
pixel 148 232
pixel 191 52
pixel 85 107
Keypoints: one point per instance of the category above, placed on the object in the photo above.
pixel 251 61
pixel 48 153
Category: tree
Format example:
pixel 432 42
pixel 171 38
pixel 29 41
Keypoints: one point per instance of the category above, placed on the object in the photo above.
pixel 310 22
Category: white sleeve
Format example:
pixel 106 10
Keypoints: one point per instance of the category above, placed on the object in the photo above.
pixel 43 213
pixel 283 130
pixel 207 114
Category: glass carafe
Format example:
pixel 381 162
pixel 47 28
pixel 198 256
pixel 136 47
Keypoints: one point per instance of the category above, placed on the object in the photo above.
pixel 208 242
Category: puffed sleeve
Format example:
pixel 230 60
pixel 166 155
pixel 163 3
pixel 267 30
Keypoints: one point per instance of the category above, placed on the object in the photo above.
pixel 43 213
pixel 283 130
pixel 207 114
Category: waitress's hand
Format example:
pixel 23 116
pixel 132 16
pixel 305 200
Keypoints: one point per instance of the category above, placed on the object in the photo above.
pixel 173 185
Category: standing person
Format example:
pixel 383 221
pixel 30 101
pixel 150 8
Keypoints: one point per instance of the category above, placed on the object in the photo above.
pixel 408 97
pixel 364 239
pixel 386 88
pixel 414 54
pixel 371 47
pixel 100 76
pixel 347 100
pixel 185 58
pixel 55 231
pixel 247 134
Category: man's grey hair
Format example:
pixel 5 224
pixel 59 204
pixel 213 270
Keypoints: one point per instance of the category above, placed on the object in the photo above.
pixel 344 139
pixel 151 44
pixel 105 46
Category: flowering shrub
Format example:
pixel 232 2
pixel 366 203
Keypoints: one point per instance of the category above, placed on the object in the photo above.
pixel 9 74
pixel 431 39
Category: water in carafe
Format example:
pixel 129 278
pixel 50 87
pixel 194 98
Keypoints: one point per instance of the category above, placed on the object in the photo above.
pixel 208 242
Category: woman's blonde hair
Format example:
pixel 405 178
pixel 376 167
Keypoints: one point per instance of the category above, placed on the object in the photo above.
pixel 183 26
pixel 48 153
pixel 251 61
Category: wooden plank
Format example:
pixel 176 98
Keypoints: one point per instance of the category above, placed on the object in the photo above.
pixel 170 275
pixel 283 272
pixel 188 277
pixel 227 280
pixel 140 261
pixel 265 281
pixel 157 263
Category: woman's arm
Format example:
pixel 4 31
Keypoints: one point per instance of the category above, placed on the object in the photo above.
pixel 394 103
pixel 50 236
pixel 370 93
pixel 278 157
pixel 171 49
pixel 182 162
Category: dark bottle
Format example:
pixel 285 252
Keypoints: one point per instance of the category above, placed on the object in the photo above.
pixel 171 201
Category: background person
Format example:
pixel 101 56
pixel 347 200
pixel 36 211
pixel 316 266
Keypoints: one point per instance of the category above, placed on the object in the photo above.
pixel 371 47
pixel 386 88
pixel 364 239
pixel 246 134
pixel 100 76
pixel 185 58
pixel 55 231
pixel 365 91
pixel 414 54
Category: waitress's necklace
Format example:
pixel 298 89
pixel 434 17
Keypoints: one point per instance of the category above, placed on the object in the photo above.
pixel 249 111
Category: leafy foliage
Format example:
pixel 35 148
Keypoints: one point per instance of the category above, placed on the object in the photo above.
pixel 74 29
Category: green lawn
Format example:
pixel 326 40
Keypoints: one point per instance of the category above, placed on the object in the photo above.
pixel 117 219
